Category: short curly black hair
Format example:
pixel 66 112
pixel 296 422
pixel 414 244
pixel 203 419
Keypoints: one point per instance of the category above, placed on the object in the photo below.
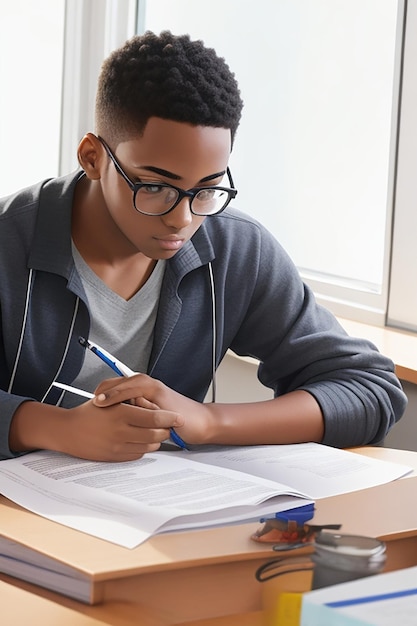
pixel 167 76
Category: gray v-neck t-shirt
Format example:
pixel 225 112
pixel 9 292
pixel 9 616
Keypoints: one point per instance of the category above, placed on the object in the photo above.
pixel 122 327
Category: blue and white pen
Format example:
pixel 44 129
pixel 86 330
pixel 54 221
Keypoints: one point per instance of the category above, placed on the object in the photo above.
pixel 122 370
pixel 117 366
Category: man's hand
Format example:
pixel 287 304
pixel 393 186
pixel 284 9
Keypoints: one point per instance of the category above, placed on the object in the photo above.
pixel 193 418
pixel 120 432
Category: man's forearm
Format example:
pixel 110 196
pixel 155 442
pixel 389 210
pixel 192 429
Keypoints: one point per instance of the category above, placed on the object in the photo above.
pixel 292 418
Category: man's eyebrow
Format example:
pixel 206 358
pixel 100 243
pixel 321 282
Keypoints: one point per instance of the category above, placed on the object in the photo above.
pixel 213 176
pixel 172 176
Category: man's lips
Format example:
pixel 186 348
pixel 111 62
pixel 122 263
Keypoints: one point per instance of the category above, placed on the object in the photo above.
pixel 170 243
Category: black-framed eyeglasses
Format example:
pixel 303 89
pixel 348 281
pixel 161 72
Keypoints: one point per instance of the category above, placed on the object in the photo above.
pixel 161 198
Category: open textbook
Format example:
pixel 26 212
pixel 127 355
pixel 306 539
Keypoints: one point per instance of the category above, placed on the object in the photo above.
pixel 125 503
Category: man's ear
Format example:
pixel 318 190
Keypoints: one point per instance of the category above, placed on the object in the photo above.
pixel 91 156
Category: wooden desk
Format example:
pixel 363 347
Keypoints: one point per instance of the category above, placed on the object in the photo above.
pixel 398 344
pixel 21 608
pixel 207 576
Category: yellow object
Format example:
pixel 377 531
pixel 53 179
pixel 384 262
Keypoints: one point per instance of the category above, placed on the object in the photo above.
pixel 281 598
pixel 289 609
pixel 284 611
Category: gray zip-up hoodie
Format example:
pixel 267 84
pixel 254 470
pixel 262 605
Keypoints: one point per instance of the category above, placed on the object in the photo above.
pixel 263 310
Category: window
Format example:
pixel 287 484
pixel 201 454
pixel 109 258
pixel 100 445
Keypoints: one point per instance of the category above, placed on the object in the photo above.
pixel 50 56
pixel 320 80
pixel 31 54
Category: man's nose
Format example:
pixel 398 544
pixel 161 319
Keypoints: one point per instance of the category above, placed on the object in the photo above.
pixel 180 217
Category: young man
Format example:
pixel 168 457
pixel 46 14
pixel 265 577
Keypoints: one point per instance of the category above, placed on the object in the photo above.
pixel 139 252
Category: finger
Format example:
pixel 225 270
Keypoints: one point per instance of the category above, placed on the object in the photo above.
pixel 128 415
pixel 109 384
pixel 129 452
pixel 122 390
pixel 144 403
pixel 146 436
pixel 153 418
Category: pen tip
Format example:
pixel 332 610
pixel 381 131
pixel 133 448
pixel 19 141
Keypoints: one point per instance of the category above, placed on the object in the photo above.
pixel 83 342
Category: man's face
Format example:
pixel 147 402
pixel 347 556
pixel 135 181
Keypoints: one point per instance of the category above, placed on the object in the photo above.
pixel 168 152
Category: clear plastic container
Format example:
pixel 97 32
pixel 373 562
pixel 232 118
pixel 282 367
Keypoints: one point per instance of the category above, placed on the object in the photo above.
pixel 339 558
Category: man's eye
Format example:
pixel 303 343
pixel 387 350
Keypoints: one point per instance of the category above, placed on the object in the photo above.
pixel 204 195
pixel 152 189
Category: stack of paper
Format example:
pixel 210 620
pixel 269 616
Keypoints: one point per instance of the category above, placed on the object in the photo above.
pixel 388 599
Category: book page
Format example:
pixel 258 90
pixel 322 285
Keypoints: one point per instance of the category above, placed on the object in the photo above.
pixel 27 564
pixel 127 502
pixel 315 469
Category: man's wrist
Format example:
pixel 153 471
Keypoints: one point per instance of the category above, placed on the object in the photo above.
pixel 34 426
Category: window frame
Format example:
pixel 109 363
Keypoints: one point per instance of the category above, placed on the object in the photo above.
pixel 402 305
pixel 93 29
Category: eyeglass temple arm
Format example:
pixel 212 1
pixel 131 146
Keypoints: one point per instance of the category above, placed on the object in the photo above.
pixel 229 173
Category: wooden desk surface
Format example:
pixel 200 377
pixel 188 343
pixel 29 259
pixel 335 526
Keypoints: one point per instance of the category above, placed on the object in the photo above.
pixel 398 344
pixel 213 568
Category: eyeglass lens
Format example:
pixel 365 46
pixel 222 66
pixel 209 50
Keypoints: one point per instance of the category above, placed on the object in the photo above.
pixel 158 199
